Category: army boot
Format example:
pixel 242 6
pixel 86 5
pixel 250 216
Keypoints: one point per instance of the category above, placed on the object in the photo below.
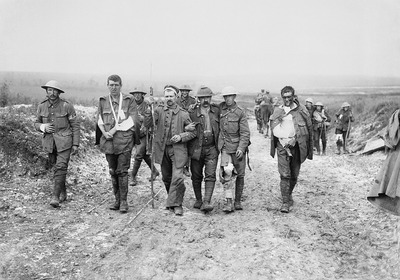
pixel 285 192
pixel 123 189
pixel 228 207
pixel 293 183
pixel 63 194
pixel 55 202
pixel 238 193
pixel 209 189
pixel 114 181
pixel 197 194
pixel 135 169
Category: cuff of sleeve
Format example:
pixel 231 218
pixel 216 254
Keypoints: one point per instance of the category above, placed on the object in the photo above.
pixel 42 127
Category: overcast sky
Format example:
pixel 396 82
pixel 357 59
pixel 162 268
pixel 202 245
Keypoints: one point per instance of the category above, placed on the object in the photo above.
pixel 206 39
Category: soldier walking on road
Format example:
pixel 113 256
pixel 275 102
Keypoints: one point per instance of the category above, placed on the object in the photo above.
pixel 321 121
pixel 57 119
pixel 293 140
pixel 170 148
pixel 116 117
pixel 233 143
pixel 343 118
pixel 203 149
pixel 141 148
pixel 185 101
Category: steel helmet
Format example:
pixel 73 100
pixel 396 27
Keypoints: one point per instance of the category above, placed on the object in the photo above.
pixel 53 84
pixel 345 104
pixel 319 104
pixel 185 87
pixel 229 91
pixel 204 91
pixel 310 100
pixel 138 90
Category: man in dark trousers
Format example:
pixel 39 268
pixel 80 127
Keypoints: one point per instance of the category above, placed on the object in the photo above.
pixel 233 143
pixel 116 116
pixel 144 136
pixel 203 149
pixel 57 119
pixel 292 137
pixel 170 148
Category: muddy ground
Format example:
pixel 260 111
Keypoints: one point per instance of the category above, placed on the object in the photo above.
pixel 331 233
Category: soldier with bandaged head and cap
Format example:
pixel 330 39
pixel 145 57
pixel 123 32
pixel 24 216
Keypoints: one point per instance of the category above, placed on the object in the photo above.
pixel 56 119
pixel 233 143
pixel 170 148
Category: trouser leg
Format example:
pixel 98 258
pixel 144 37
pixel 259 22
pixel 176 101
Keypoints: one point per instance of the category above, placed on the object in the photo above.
pixel 123 188
pixel 60 161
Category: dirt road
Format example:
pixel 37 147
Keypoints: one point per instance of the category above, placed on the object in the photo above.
pixel 331 233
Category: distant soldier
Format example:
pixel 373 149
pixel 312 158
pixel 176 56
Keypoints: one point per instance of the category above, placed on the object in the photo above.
pixel 170 148
pixel 203 149
pixel 310 106
pixel 344 117
pixel 233 143
pixel 57 119
pixel 185 101
pixel 144 135
pixel 116 116
pixel 266 109
pixel 257 115
pixel 292 137
pixel 321 121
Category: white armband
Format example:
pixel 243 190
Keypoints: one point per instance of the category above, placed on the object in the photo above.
pixel 42 127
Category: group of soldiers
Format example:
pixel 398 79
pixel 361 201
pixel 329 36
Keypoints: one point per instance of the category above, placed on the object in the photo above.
pixel 180 133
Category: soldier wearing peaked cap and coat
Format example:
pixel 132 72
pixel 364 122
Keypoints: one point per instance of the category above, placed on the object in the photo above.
pixel 170 149
pixel 57 119
pixel 203 149
pixel 233 143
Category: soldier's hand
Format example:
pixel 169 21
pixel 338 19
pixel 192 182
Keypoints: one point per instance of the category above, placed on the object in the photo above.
pixel 239 154
pixel 74 150
pixel 176 138
pixel 291 143
pixel 49 128
pixel 191 127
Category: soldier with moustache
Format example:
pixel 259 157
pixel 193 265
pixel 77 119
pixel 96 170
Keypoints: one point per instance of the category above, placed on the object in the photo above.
pixel 203 149
pixel 57 120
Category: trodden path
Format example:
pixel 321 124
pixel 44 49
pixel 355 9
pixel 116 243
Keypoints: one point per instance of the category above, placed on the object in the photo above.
pixel 331 233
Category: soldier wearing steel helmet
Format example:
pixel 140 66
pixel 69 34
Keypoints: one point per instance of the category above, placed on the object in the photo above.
pixel 185 101
pixel 310 105
pixel 141 148
pixel 233 143
pixel 344 117
pixel 321 121
pixel 57 119
pixel 203 149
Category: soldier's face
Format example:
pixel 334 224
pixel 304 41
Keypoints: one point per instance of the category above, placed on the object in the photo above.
pixel 229 99
pixel 169 97
pixel 345 108
pixel 184 93
pixel 205 101
pixel 138 96
pixel 52 94
pixel 308 105
pixel 288 98
pixel 114 87
pixel 319 108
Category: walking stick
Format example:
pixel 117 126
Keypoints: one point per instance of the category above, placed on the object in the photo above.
pixel 152 150
pixel 347 133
